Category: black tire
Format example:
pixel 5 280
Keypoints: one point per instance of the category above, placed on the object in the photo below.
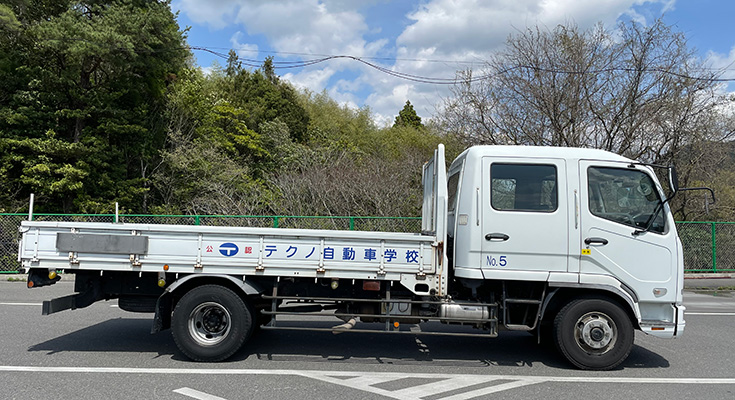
pixel 211 323
pixel 593 334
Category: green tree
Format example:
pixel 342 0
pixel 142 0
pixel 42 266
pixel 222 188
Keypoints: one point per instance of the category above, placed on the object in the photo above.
pixel 80 110
pixel 408 117
pixel 263 96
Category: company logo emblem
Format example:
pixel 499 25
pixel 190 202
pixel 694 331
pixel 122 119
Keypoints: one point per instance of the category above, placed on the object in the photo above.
pixel 228 249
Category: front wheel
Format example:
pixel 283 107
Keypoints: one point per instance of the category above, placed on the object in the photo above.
pixel 593 334
pixel 211 323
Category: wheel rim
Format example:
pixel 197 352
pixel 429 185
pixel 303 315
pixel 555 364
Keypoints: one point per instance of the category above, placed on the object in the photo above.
pixel 209 324
pixel 595 333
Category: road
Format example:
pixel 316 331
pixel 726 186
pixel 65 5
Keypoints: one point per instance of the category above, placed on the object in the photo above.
pixel 104 352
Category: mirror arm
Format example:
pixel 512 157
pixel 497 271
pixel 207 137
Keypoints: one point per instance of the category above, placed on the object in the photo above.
pixel 711 192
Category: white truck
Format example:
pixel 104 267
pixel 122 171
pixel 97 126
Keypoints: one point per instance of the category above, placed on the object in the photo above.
pixel 577 246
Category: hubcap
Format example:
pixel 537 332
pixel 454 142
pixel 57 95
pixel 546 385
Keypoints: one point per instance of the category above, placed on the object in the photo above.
pixel 209 324
pixel 595 333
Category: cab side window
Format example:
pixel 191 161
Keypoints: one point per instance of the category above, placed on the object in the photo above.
pixel 453 191
pixel 523 187
pixel 625 196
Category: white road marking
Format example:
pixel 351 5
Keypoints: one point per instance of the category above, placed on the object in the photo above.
pixel 21 304
pixel 365 380
pixel 197 394
pixel 442 386
pixel 491 389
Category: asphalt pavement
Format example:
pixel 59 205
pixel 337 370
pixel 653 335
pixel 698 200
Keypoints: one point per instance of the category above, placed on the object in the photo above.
pixel 104 352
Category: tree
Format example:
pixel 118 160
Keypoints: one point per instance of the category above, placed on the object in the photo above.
pixel 638 91
pixel 408 117
pixel 80 110
pixel 263 96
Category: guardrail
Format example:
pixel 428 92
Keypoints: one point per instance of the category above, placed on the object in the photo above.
pixel 708 246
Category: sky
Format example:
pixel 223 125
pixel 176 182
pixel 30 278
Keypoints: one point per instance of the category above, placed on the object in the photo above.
pixel 427 38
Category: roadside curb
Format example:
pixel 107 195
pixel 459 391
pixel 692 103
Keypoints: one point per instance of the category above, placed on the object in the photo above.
pixel 713 281
pixel 710 276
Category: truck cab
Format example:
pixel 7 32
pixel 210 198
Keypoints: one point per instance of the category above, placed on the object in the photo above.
pixel 585 222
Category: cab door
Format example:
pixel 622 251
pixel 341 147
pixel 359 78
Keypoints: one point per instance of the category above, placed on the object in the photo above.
pixel 524 218
pixel 618 202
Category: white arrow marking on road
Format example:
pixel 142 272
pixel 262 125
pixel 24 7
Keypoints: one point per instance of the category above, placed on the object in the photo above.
pixel 197 394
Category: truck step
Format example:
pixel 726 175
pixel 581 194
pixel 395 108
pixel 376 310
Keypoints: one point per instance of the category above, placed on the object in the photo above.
pixel 514 327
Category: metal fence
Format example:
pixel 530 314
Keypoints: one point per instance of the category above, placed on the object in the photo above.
pixel 708 246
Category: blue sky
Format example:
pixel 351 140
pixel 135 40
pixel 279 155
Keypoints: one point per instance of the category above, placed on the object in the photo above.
pixel 431 38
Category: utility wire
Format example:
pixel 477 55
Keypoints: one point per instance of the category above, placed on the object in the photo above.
pixel 445 81
pixel 254 63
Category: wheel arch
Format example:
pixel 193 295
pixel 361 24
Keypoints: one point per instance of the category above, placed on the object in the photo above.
pixel 167 301
pixel 560 295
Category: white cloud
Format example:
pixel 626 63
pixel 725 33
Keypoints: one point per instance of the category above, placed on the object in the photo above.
pixel 244 50
pixel 314 80
pixel 211 12
pixel 207 70
pixel 726 64
pixel 306 27
pixel 723 62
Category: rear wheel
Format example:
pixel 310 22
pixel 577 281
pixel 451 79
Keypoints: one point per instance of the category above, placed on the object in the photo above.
pixel 593 334
pixel 211 323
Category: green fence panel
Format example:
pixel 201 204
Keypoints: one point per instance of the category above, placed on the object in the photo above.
pixel 697 241
pixel 723 247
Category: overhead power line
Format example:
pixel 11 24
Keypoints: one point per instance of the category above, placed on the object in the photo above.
pixel 322 58
pixel 439 81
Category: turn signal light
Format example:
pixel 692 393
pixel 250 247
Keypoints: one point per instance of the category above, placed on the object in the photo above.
pixel 52 275
pixel 161 282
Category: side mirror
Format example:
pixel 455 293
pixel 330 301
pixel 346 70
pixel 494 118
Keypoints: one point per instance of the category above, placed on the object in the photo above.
pixel 673 179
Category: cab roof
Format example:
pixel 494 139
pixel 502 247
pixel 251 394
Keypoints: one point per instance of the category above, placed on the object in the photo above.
pixel 568 153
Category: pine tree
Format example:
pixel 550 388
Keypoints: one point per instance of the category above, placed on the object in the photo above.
pixel 408 117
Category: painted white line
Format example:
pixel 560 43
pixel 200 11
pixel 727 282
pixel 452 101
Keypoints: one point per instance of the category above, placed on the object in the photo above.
pixel 197 394
pixel 711 313
pixel 364 380
pixel 443 386
pixel 492 389
pixel 353 374
pixel 21 304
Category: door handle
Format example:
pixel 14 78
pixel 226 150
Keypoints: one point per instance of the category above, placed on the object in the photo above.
pixel 497 236
pixel 595 240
